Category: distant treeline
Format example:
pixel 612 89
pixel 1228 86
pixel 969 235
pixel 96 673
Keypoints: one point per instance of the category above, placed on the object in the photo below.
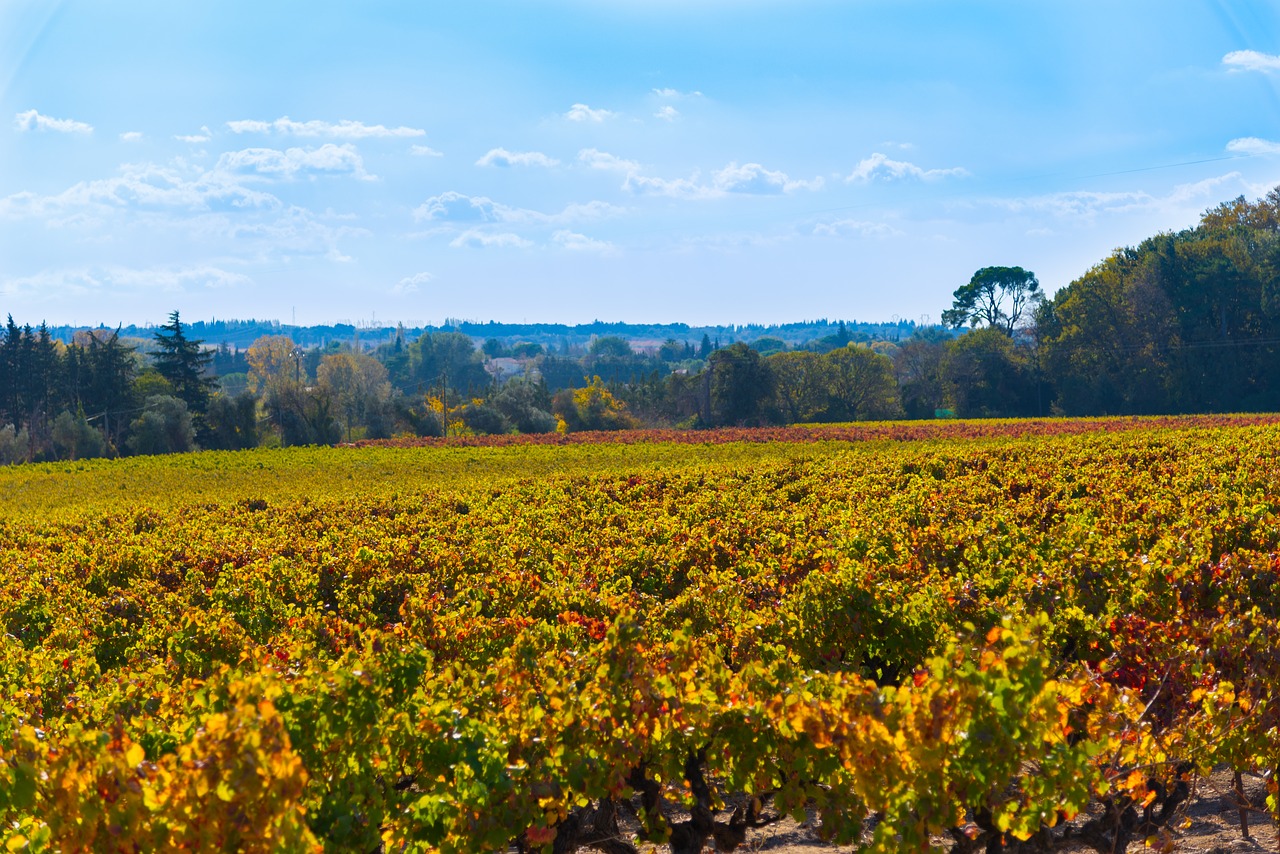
pixel 240 334
pixel 1185 322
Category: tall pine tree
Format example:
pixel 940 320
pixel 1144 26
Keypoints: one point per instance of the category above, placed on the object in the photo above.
pixel 183 362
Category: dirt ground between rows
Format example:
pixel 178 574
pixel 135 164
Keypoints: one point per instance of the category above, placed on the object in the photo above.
pixel 1211 817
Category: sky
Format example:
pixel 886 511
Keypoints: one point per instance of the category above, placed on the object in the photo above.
pixel 699 161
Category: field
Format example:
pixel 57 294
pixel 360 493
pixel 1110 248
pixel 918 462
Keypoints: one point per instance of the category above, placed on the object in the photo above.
pixel 1019 636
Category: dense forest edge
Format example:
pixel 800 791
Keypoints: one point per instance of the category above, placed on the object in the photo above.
pixel 1185 322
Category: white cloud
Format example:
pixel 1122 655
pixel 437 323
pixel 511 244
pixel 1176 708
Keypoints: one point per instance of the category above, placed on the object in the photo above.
pixel 32 120
pixel 131 136
pixel 583 113
pixel 114 279
pixel 880 167
pixel 854 228
pixel 754 178
pixel 597 159
pixel 748 178
pixel 1253 145
pixel 344 129
pixel 667 114
pixel 583 211
pixel 411 284
pixel 328 159
pixel 196 138
pixel 676 188
pixel 453 207
pixel 293 231
pixel 143 186
pixel 1086 206
pixel 424 151
pixel 186 203
pixel 502 157
pixel 575 242
pixel 1251 60
pixel 676 93
pixel 476 239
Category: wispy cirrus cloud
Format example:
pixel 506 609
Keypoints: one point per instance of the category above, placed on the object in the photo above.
pixel 474 238
pixel 454 207
pixel 1252 60
pixel 33 120
pixel 114 279
pixel 196 138
pixel 746 178
pixel 328 159
pixel 424 151
pixel 411 284
pixel 144 186
pixel 675 188
pixel 344 129
pixel 208 207
pixel 879 167
pixel 597 159
pixel 676 93
pixel 1086 205
pixel 131 136
pixel 854 228
pixel 575 242
pixel 503 158
pixel 667 113
pixel 583 113
pixel 1253 145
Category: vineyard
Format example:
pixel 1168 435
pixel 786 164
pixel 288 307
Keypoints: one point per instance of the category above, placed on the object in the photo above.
pixel 1018 636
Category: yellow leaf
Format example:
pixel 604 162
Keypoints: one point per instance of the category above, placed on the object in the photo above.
pixel 16 843
pixel 225 792
pixel 135 755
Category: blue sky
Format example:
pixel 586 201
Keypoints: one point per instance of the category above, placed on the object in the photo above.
pixel 705 161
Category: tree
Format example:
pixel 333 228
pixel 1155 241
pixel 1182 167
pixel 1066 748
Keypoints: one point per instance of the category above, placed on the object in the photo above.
pixel 233 422
pixel 183 362
pixel 742 386
pixel 996 296
pixel 14 445
pixel 987 375
pixel 163 428
pixel 862 386
pixel 800 384
pixel 273 359
pixel 592 408
pixel 74 438
pixel 1183 322
pixel 526 405
pixel 358 385
pixel 107 371
pixel 705 348
pixel 918 364
pixel 444 362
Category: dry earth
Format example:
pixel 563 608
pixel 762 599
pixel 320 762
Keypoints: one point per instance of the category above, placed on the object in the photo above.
pixel 1211 826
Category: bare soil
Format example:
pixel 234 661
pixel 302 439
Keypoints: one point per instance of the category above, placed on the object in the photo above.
pixel 1209 824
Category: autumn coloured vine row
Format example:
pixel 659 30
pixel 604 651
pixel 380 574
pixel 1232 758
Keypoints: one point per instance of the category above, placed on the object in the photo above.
pixel 1015 644
pixel 896 431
